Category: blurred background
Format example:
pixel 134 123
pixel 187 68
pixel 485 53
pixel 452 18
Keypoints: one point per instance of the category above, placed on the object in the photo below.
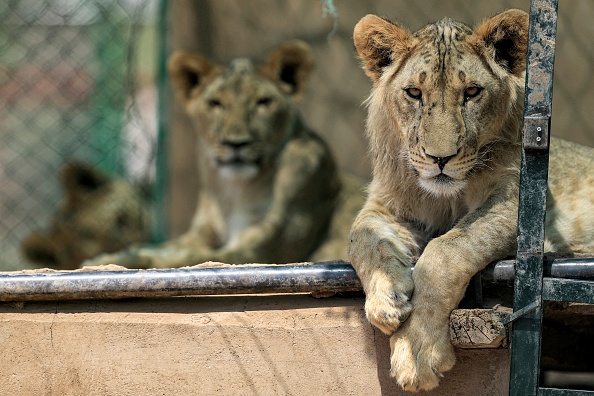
pixel 83 78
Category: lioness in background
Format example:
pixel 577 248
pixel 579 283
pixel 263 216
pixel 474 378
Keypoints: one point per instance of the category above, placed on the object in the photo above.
pixel 270 191
pixel 98 214
pixel 444 128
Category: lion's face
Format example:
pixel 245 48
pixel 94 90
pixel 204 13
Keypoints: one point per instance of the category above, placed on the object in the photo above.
pixel 443 89
pixel 243 113
pixel 445 102
pixel 244 118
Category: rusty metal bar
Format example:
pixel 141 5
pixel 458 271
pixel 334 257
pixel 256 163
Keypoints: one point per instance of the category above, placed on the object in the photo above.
pixel 526 331
pixel 336 276
pixel 73 285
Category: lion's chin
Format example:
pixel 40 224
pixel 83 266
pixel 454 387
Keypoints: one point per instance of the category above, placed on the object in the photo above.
pixel 442 185
pixel 243 170
pixel 238 167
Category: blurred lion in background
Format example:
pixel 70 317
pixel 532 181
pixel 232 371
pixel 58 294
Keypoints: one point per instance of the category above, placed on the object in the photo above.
pixel 98 214
pixel 270 189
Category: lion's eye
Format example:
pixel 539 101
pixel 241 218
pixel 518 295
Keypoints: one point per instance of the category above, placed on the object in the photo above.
pixel 472 92
pixel 214 103
pixel 414 93
pixel 264 101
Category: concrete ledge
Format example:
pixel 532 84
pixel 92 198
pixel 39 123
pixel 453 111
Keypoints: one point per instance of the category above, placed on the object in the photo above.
pixel 242 345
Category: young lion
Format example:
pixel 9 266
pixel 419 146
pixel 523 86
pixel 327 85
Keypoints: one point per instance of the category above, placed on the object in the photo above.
pixel 270 189
pixel 98 214
pixel 444 129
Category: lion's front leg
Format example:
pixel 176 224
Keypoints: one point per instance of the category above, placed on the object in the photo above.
pixel 387 302
pixel 381 253
pixel 420 350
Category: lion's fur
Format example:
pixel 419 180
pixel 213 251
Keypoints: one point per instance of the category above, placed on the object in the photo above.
pixel 270 191
pixel 444 129
pixel 98 214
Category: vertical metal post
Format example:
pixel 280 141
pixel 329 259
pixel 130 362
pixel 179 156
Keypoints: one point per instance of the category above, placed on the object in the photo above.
pixel 160 188
pixel 109 35
pixel 526 331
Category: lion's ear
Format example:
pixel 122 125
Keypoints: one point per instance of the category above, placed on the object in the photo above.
pixel 80 179
pixel 188 71
pixel 507 35
pixel 290 65
pixel 379 43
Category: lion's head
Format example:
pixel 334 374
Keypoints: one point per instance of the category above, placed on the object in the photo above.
pixel 446 93
pixel 98 214
pixel 243 113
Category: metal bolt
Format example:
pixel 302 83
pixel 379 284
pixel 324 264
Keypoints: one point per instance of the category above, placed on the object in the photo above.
pixel 538 138
pixel 538 129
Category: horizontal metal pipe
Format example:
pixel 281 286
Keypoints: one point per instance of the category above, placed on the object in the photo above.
pixel 336 276
pixel 73 285
pixel 571 268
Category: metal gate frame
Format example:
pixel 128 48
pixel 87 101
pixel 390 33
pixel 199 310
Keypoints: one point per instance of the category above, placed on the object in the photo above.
pixel 531 287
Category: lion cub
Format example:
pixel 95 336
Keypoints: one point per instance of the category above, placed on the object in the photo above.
pixel 98 214
pixel 444 129
pixel 270 191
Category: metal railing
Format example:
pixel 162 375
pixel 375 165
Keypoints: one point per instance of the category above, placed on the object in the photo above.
pixel 334 276
pixel 531 286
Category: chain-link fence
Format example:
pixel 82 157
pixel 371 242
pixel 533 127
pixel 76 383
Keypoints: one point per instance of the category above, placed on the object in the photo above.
pixel 75 83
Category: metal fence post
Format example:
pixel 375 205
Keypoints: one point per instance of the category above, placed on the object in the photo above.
pixel 531 287
pixel 526 331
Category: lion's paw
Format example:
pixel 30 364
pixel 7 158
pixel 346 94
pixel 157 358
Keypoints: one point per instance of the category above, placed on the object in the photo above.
pixel 421 353
pixel 387 311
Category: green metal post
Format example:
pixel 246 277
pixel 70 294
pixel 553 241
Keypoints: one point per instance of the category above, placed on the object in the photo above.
pixel 160 188
pixel 109 97
pixel 526 332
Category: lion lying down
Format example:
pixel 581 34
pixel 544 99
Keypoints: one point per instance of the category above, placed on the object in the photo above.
pixel 98 214
pixel 444 128
pixel 270 191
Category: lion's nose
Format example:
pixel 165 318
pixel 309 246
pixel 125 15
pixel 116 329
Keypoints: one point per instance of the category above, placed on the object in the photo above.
pixel 440 161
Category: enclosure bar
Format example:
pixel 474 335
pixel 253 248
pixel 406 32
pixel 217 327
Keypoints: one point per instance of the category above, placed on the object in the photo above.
pixel 570 290
pixel 337 276
pixel 563 392
pixel 571 268
pixel 161 160
pixel 526 331
pixel 323 277
pixel 108 99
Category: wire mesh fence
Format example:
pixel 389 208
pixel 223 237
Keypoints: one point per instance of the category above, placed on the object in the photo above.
pixel 70 88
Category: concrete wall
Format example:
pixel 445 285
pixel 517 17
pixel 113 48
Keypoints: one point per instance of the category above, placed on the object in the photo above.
pixel 264 345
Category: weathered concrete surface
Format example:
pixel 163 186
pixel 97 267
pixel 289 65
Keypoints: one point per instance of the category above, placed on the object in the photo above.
pixel 262 345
